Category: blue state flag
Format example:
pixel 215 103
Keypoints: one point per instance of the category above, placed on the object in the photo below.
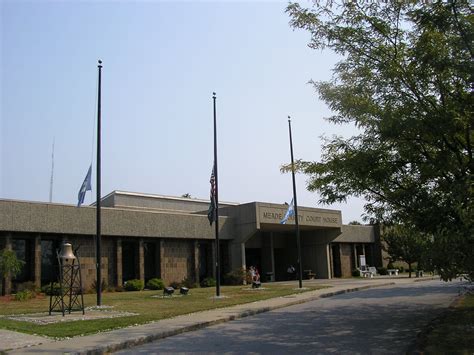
pixel 86 186
pixel 289 213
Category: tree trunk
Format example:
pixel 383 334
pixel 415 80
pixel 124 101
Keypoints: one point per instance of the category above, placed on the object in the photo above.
pixel 409 270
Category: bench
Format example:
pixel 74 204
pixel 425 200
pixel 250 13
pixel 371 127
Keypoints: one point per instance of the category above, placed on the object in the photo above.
pixel 392 272
pixel 369 274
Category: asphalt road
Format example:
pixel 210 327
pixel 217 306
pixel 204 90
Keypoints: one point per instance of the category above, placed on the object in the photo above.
pixel 376 321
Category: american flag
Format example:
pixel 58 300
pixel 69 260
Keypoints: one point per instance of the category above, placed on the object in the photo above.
pixel 211 213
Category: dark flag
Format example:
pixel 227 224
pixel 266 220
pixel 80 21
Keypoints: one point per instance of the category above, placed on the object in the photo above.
pixel 211 213
pixel 86 186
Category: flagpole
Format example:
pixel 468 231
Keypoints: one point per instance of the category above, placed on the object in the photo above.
pixel 298 242
pixel 98 241
pixel 218 272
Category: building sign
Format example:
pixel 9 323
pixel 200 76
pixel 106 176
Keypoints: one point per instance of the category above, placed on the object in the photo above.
pixel 306 217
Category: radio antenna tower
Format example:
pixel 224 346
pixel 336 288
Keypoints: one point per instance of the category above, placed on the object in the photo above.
pixel 52 176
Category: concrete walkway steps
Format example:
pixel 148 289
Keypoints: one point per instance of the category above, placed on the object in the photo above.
pixel 128 337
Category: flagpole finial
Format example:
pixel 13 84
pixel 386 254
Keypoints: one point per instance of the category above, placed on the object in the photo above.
pixel 213 95
pixel 100 63
pixel 289 118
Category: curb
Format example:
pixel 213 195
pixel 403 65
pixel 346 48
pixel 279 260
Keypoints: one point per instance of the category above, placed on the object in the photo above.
pixel 165 334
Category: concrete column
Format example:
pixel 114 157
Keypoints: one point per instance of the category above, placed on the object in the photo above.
pixel 141 260
pixel 162 259
pixel 356 262
pixel 157 260
pixel 242 253
pixel 243 260
pixel 7 281
pixel 118 258
pixel 37 260
pixel 329 261
pixel 196 261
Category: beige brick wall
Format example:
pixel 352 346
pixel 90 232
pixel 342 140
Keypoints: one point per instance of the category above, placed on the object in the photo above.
pixel 87 258
pixel 177 260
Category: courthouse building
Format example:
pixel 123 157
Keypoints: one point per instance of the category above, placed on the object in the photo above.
pixel 146 236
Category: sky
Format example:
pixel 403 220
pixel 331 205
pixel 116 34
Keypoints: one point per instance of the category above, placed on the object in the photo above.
pixel 161 62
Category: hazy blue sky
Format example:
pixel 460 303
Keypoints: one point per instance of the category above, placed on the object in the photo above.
pixel 162 61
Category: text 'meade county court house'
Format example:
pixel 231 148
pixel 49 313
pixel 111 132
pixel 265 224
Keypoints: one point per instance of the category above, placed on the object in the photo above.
pixel 146 236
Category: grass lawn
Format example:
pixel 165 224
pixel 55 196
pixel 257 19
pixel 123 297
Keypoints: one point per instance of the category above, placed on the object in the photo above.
pixel 143 303
pixel 454 334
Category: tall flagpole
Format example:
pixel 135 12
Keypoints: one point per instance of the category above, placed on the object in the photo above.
pixel 218 271
pixel 98 241
pixel 52 175
pixel 298 242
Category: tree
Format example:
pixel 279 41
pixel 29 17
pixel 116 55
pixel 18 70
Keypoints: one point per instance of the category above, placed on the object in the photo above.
pixel 9 265
pixel 405 244
pixel 405 81
pixel 354 223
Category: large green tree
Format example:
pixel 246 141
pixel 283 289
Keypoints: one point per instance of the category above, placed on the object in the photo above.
pixel 406 244
pixel 405 81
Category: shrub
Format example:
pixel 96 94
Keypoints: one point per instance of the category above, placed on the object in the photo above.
pixel 155 284
pixel 382 271
pixel 27 286
pixel 390 266
pixel 25 295
pixel 46 289
pixel 188 282
pixel 175 284
pixel 236 277
pixel 356 273
pixel 402 269
pixel 93 287
pixel 133 285
pixel 208 282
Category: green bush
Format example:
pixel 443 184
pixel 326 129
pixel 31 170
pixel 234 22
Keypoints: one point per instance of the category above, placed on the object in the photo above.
pixel 133 285
pixel 236 277
pixel 390 266
pixel 25 295
pixel 356 273
pixel 46 289
pixel 188 282
pixel 208 282
pixel 27 286
pixel 382 271
pixel 155 284
pixel 401 269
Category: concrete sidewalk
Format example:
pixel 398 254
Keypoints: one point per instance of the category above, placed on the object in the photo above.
pixel 17 343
